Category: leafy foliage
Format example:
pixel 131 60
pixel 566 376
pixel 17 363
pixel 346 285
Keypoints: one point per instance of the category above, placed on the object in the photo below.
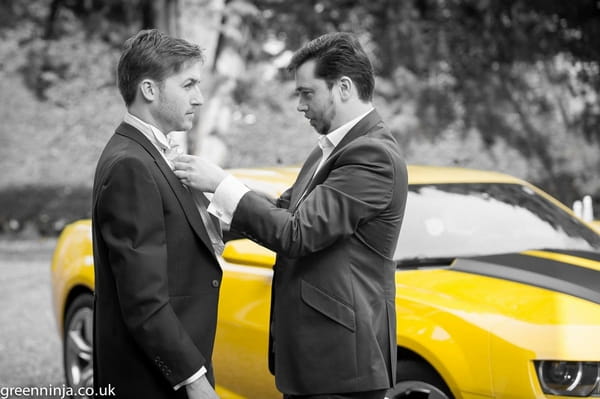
pixel 505 85
pixel 520 73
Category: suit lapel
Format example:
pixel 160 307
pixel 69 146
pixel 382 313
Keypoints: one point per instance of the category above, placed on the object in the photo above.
pixel 181 193
pixel 305 175
pixel 363 126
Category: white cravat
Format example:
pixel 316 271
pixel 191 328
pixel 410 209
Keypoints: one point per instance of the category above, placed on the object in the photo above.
pixel 169 152
pixel 213 229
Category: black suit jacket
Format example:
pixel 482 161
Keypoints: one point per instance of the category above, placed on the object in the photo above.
pixel 156 276
pixel 333 325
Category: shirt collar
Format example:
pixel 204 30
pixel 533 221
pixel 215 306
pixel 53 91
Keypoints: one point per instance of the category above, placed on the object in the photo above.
pixel 156 137
pixel 335 137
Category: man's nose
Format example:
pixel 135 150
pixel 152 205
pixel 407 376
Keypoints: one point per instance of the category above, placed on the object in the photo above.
pixel 301 107
pixel 197 98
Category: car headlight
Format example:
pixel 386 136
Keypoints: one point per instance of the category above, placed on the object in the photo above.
pixel 569 378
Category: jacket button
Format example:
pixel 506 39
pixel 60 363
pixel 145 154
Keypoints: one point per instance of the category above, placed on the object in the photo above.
pixel 215 283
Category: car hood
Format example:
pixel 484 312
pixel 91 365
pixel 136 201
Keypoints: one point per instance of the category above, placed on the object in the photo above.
pixel 547 302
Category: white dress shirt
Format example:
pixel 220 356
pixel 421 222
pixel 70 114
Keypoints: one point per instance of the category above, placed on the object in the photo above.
pixel 230 191
pixel 160 141
pixel 156 137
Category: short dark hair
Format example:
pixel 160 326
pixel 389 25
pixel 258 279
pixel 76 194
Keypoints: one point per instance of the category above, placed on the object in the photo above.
pixel 338 54
pixel 154 55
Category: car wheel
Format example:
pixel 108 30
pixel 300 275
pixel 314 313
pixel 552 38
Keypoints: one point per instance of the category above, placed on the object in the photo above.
pixel 417 380
pixel 77 344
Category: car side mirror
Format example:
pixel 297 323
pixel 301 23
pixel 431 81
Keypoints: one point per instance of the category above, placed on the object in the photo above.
pixel 246 252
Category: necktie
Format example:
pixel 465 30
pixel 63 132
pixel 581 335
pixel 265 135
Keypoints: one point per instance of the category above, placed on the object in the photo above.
pixel 212 227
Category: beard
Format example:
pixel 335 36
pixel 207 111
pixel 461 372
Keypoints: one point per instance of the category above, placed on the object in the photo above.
pixel 323 123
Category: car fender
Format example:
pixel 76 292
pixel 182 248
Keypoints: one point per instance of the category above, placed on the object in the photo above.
pixel 72 265
pixel 445 351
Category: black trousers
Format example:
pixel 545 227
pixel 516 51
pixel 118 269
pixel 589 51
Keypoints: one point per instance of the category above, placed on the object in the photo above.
pixel 379 394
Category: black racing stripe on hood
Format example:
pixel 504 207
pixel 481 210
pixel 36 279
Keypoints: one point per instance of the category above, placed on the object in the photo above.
pixel 580 254
pixel 573 280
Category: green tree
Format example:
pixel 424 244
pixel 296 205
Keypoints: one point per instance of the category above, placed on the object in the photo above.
pixel 514 74
pixel 521 72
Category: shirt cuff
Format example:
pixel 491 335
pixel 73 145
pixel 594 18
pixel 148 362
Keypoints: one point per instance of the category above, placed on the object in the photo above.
pixel 193 378
pixel 226 198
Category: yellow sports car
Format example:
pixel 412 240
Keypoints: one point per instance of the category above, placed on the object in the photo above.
pixel 498 294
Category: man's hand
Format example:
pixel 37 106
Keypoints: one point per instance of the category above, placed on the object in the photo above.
pixel 201 389
pixel 198 173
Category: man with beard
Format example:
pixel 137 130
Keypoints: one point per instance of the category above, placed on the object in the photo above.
pixel 333 325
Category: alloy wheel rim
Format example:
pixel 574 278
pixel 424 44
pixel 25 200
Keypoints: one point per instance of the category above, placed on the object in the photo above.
pixel 78 350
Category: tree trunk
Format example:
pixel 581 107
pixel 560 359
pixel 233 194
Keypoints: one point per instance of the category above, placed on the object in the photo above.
pixel 166 16
pixel 201 23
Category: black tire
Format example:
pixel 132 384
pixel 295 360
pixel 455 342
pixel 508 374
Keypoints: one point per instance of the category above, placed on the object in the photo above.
pixel 417 380
pixel 77 344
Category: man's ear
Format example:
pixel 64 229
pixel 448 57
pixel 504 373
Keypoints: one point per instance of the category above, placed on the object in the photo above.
pixel 148 89
pixel 346 86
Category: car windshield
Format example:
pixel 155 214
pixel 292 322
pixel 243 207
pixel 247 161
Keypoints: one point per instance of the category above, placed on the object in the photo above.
pixel 444 221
